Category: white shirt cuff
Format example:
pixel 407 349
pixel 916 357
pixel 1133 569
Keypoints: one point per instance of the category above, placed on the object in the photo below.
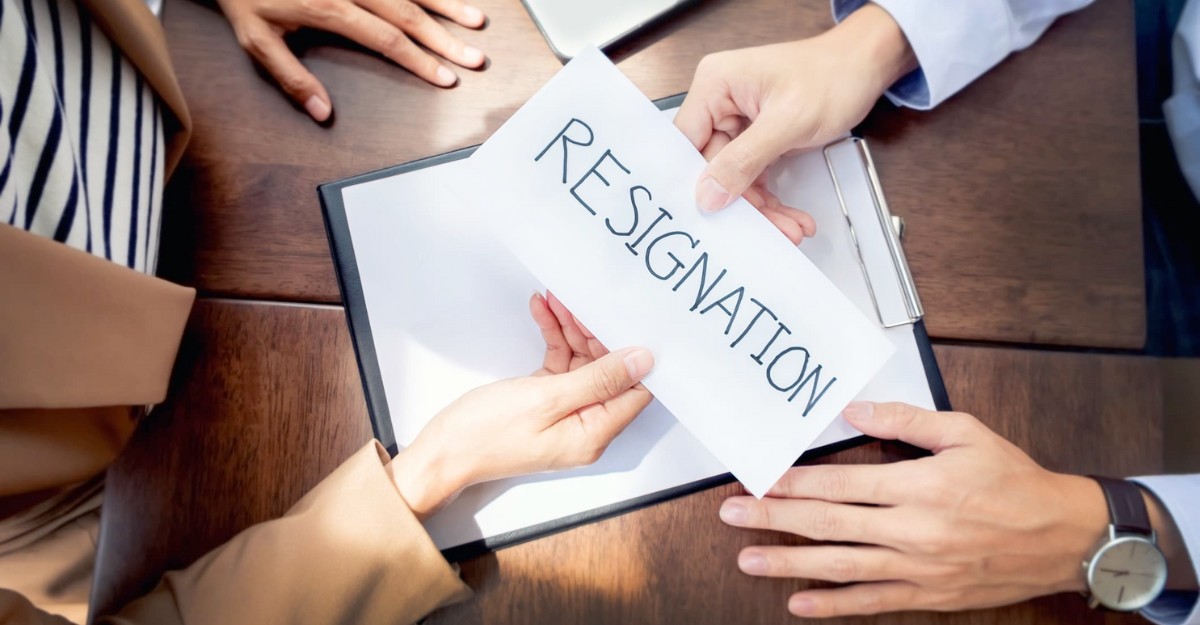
pixel 1180 495
pixel 954 42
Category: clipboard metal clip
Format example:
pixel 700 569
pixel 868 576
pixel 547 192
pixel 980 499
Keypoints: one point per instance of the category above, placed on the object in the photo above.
pixel 893 291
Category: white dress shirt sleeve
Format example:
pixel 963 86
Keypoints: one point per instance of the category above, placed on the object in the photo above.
pixel 1180 495
pixel 956 41
pixel 1182 110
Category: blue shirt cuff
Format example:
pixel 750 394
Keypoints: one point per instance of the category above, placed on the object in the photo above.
pixel 1180 495
pixel 910 91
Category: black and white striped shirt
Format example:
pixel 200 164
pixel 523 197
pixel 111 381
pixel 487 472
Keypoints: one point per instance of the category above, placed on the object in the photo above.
pixel 81 136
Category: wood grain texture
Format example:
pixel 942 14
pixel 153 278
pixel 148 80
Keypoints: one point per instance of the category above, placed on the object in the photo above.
pixel 1021 194
pixel 266 401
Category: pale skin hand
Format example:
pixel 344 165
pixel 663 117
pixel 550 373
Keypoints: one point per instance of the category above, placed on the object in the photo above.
pixel 979 524
pixel 564 415
pixel 748 107
pixel 393 28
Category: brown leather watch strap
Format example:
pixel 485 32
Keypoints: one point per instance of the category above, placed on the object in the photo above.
pixel 1126 508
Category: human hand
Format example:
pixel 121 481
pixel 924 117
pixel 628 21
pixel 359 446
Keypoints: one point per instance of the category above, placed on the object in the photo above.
pixel 393 28
pixel 562 416
pixel 748 107
pixel 978 524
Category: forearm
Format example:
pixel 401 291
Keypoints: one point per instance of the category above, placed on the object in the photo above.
pixel 349 551
pixel 877 44
pixel 955 43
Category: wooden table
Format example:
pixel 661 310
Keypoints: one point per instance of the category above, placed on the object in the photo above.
pixel 258 417
pixel 1021 197
pixel 1021 194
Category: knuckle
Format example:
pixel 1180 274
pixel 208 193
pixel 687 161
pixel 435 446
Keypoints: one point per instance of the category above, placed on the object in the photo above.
pixel 708 63
pixel 967 424
pixel 950 575
pixel 605 382
pixel 320 9
pixel 843 568
pixel 251 41
pixel 760 514
pixel 390 40
pixel 934 543
pixel 408 15
pixel 833 483
pixel 740 161
pixel 823 524
pixel 905 414
pixel 790 482
pixel 293 83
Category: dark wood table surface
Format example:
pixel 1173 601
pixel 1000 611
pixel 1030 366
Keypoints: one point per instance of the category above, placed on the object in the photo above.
pixel 266 401
pixel 1024 231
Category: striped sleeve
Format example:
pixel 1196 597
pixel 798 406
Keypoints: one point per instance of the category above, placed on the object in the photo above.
pixel 81 136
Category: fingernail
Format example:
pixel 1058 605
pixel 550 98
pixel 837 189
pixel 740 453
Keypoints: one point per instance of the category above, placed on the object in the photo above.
pixel 472 15
pixel 752 563
pixel 317 108
pixel 711 196
pixel 801 606
pixel 733 513
pixel 859 411
pixel 638 363
pixel 472 56
pixel 537 295
pixel 446 77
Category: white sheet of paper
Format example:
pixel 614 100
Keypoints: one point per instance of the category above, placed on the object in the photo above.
pixel 592 190
pixel 472 327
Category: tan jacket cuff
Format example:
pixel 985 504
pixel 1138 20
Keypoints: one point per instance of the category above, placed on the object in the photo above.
pixel 349 551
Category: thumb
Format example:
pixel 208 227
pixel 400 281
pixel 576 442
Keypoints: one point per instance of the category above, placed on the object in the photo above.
pixel 600 380
pixel 935 431
pixel 732 170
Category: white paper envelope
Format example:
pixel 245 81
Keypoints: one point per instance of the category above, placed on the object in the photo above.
pixel 592 189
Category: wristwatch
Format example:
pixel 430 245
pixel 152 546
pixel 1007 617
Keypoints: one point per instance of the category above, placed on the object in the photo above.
pixel 1127 571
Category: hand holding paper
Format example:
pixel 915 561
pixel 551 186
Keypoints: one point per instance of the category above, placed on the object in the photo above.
pixel 564 415
pixel 591 188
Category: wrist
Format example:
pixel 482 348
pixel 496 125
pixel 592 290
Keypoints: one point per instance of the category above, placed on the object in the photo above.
pixel 1082 523
pixel 423 479
pixel 875 41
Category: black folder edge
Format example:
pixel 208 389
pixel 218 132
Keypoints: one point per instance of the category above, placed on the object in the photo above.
pixel 340 242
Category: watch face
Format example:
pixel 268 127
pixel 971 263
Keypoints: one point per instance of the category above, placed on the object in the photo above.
pixel 1127 573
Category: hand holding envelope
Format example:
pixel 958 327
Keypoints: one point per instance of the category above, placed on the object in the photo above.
pixel 756 350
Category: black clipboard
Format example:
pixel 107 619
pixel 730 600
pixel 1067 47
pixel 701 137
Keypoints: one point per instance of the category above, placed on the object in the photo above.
pixel 346 266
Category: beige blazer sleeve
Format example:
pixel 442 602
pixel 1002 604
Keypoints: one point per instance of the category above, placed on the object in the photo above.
pixel 350 551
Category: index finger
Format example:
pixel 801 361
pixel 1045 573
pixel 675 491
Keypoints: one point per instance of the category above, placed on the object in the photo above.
pixel 372 31
pixel 457 10
pixel 269 49
pixel 558 352
pixel 851 483
pixel 417 24
pixel 694 119
pixel 575 337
